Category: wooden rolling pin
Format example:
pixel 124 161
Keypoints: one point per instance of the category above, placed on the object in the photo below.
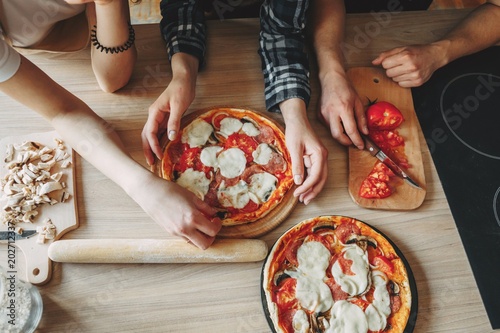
pixel 156 251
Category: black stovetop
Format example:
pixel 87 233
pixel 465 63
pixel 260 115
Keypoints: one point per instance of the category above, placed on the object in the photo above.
pixel 459 112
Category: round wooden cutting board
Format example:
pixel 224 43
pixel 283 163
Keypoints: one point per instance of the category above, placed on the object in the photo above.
pixel 252 229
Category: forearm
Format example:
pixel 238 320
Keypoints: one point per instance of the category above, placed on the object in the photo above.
pixel 479 30
pixel 327 30
pixel 83 130
pixel 113 70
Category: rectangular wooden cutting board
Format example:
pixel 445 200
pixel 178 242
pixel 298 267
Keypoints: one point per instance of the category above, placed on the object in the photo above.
pixel 63 215
pixel 372 84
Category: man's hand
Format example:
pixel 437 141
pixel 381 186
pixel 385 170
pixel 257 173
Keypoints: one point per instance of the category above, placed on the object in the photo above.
pixel 341 110
pixel 413 65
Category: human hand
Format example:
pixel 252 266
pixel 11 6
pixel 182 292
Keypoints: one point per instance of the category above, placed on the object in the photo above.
pixel 308 155
pixel 341 110
pixel 413 65
pixel 166 112
pixel 165 116
pixel 178 211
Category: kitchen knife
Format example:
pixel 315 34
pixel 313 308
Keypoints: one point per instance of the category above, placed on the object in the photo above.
pixel 156 251
pixel 375 151
pixel 12 236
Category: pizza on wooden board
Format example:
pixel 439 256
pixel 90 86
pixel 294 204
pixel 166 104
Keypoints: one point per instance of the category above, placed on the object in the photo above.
pixel 234 159
pixel 336 274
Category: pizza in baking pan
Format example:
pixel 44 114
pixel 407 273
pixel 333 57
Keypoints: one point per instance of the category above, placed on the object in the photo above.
pixel 335 274
pixel 233 159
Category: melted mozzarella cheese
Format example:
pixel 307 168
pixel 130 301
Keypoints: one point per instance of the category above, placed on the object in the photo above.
pixel 380 309
pixel 208 156
pixel 311 292
pixel 358 283
pixel 262 185
pixel 194 181
pixel 197 133
pixel 233 196
pixel 230 125
pixel 250 129
pixel 347 318
pixel 262 155
pixel 232 162
pixel 300 322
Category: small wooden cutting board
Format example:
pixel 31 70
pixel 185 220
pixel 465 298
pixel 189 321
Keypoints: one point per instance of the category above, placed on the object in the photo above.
pixel 372 83
pixel 63 215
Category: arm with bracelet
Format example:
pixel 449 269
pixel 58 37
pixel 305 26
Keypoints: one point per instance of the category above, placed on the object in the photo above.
pixel 112 42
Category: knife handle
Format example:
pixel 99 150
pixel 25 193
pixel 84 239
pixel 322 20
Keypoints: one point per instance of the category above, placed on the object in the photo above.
pixel 372 148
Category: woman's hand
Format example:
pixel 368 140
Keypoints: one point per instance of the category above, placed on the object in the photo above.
pixel 178 211
pixel 166 112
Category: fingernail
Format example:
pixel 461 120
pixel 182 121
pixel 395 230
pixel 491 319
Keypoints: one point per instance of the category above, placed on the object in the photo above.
pixel 297 179
pixel 171 134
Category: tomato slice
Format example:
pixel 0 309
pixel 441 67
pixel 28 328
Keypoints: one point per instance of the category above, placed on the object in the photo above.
pixel 383 264
pixel 244 142
pixel 383 116
pixel 190 158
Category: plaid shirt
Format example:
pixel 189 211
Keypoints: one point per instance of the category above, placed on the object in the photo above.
pixel 282 45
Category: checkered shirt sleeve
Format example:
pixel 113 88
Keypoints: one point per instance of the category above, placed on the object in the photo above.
pixel 183 27
pixel 282 50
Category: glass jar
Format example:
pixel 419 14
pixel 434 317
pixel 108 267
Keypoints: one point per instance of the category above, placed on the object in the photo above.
pixel 21 305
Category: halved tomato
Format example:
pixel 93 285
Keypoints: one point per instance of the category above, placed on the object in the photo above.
pixel 383 116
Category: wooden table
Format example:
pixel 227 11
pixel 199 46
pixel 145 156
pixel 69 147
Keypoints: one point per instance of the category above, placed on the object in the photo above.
pixel 226 297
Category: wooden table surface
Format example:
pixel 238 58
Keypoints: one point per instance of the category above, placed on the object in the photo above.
pixel 226 297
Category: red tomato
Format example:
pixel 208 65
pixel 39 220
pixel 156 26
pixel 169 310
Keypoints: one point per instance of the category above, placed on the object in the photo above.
pixel 383 264
pixel 383 116
pixel 243 142
pixel 374 189
pixel 190 158
pixel 387 139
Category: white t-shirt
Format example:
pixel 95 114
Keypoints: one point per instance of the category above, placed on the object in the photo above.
pixel 9 61
pixel 28 22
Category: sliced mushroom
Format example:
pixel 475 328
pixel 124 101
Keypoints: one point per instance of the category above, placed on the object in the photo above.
pixel 362 241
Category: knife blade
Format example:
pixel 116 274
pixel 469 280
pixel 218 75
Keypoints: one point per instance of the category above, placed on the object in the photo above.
pixel 375 151
pixel 12 236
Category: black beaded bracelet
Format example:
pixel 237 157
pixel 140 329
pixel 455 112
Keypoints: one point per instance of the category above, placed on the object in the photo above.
pixel 116 49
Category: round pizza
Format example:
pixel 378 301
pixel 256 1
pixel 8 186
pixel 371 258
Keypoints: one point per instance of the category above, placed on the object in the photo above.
pixel 336 274
pixel 233 159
